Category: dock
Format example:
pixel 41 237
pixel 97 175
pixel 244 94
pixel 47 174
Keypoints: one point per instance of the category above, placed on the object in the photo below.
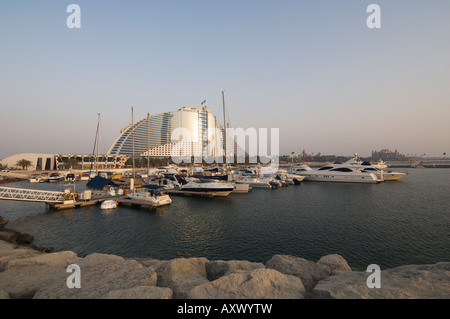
pixel 122 200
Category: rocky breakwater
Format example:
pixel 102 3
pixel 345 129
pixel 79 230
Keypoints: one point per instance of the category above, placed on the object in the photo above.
pixel 29 273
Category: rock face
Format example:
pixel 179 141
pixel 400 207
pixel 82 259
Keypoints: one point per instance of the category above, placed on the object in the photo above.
pixel 405 282
pixel 101 275
pixel 217 269
pixel 308 271
pixel 259 283
pixel 29 273
pixel 181 275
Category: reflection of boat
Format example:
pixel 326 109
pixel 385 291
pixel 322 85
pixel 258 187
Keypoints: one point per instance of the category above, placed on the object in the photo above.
pixel 154 197
pixel 109 204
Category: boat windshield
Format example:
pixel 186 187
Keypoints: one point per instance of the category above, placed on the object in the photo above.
pixel 324 168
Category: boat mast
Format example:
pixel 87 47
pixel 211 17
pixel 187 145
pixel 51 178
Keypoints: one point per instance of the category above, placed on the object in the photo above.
pixel 148 145
pixel 224 125
pixel 98 141
pixel 132 136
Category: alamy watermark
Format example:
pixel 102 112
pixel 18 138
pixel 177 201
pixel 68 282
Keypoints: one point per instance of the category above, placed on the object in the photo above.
pixel 213 147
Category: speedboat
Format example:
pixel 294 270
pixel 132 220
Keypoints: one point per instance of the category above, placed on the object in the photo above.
pixel 55 177
pixel 109 204
pixel 157 199
pixel 205 186
pixel 336 173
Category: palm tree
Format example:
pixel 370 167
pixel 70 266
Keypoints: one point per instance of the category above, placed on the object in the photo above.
pixel 72 162
pixel 24 163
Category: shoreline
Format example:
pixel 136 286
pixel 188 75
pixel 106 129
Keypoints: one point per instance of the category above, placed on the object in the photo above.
pixel 30 272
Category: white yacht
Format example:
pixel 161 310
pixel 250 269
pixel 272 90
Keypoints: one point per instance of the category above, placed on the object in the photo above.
pixel 156 199
pixel 375 168
pixel 206 186
pixel 336 173
pixel 255 182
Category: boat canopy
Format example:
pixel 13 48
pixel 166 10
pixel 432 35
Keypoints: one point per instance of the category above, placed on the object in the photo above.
pixel 99 182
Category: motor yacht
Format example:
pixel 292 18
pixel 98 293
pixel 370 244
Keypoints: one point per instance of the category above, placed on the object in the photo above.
pixel 205 186
pixel 336 173
pixel 255 182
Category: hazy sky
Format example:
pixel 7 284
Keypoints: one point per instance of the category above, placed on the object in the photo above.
pixel 313 69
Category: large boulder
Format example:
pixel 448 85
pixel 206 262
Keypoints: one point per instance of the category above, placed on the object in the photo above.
pixel 308 271
pixel 259 283
pixel 58 259
pixel 218 268
pixel 181 275
pixel 23 282
pixel 3 294
pixel 405 282
pixel 100 274
pixel 335 263
pixel 9 252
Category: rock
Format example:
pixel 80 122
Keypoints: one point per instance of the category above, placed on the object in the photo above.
pixel 3 222
pixel 259 283
pixel 218 268
pixel 141 292
pixel 406 282
pixel 8 235
pixel 308 271
pixel 100 274
pixel 24 238
pixel 22 283
pixel 3 294
pixel 335 263
pixel 58 259
pixel 8 255
pixel 181 275
pixel 97 259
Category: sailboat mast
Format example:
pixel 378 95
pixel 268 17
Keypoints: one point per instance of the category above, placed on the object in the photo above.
pixel 98 141
pixel 224 124
pixel 148 145
pixel 132 135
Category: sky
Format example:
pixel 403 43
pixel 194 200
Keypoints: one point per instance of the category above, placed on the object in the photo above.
pixel 313 69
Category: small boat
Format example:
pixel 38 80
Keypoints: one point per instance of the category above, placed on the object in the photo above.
pixel 156 198
pixel 109 204
pixel 35 179
pixel 55 177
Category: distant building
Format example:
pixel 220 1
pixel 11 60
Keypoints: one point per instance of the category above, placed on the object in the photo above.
pixel 50 162
pixel 39 162
pixel 153 137
pixel 80 161
pixel 386 154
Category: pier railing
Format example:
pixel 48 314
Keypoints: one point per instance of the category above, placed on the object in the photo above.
pixel 31 195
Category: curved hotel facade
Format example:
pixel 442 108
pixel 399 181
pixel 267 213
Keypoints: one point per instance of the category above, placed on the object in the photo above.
pixel 201 134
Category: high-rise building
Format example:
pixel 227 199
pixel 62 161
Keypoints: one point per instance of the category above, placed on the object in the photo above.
pixel 187 131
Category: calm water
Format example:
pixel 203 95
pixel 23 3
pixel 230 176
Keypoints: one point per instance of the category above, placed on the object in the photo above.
pixel 389 224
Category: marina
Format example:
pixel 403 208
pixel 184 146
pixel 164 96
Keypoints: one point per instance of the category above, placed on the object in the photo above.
pixel 386 223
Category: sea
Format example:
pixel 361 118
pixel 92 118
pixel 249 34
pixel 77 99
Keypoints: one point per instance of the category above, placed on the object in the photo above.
pixel 389 224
